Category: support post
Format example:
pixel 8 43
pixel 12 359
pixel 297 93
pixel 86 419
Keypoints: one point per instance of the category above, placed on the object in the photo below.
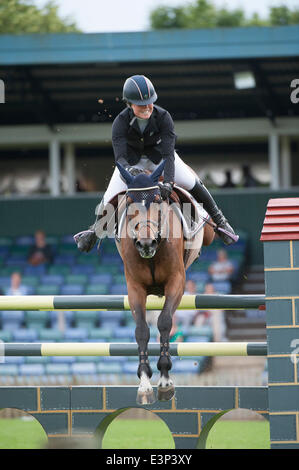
pixel 70 168
pixel 274 160
pixel 54 167
pixel 286 162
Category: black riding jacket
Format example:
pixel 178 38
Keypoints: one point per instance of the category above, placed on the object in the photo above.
pixel 156 142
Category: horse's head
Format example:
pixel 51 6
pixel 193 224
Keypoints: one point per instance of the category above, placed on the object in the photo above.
pixel 144 209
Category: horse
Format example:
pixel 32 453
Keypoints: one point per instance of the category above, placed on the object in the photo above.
pixel 151 241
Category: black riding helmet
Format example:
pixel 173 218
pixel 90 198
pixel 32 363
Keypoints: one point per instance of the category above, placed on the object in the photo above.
pixel 139 90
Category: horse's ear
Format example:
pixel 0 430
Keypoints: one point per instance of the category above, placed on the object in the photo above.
pixel 125 174
pixel 158 172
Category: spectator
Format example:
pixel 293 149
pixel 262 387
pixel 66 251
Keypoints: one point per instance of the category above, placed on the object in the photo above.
pixel 40 252
pixel 248 179
pixel 222 269
pixel 214 318
pixel 228 182
pixel 16 287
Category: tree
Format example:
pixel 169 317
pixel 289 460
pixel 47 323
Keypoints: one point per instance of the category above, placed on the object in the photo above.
pixel 204 14
pixel 22 16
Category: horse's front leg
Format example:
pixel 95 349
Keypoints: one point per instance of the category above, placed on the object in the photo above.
pixel 137 301
pixel 173 294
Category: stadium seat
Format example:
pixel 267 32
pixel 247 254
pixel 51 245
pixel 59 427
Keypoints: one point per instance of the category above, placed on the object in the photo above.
pixel 101 279
pixel 8 369
pixel 186 366
pixel 100 333
pixel 32 369
pixel 5 335
pixel 47 290
pixel 97 289
pixel 75 334
pixel 86 319
pixel 24 335
pixel 34 270
pixel 4 281
pixel 59 269
pixel 36 319
pixel 222 287
pixel 72 289
pixel 83 269
pixel 120 289
pixel 63 359
pixel 65 260
pixel 52 279
pixel 12 319
pixel 57 369
pixel 50 334
pixel 24 240
pixel 130 367
pixel 76 279
pixel 124 332
pixel 109 368
pixel 83 368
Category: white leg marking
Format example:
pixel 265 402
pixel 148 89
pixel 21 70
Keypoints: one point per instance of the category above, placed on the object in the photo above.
pixel 145 385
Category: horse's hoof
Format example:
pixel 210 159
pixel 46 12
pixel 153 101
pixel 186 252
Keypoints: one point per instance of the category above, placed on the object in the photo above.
pixel 166 393
pixel 146 398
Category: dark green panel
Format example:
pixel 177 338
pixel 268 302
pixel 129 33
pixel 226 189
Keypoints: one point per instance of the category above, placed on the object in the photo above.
pixel 55 398
pixel 281 283
pixel 53 423
pixel 283 398
pixel 253 398
pixel 279 312
pixel 87 398
pixel 206 398
pixel 277 254
pixel 23 398
pixel 124 397
pixel 280 369
pixel 185 443
pixel 181 423
pixel 283 428
pixel 86 423
pixel 285 446
pixel 282 340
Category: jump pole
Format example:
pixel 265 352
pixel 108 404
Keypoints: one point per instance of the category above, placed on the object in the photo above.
pixel 121 302
pixel 129 349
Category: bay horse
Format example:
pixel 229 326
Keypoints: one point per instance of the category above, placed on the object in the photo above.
pixel 151 243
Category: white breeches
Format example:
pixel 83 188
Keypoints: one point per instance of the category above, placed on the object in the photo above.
pixel 183 176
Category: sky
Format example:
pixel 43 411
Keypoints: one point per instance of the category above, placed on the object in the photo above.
pixel 96 16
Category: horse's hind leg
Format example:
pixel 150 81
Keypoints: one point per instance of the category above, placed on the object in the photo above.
pixel 166 388
pixel 137 300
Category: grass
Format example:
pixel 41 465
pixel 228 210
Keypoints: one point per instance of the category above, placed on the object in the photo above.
pixel 141 434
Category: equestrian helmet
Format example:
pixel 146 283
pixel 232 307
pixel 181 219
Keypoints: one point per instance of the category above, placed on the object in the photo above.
pixel 139 90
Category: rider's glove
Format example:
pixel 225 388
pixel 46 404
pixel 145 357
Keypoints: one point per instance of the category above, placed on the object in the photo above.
pixel 166 190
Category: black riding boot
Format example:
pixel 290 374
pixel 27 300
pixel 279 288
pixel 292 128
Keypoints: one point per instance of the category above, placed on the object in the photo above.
pixel 87 239
pixel 202 195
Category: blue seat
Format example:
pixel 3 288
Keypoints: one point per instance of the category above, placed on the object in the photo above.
pixel 83 269
pixel 15 360
pixel 130 367
pixel 124 332
pixel 34 270
pixel 100 279
pixel 76 334
pixel 120 289
pixel 25 335
pixel 55 279
pixel 65 239
pixel 199 276
pixel 57 369
pixel 12 319
pixel 9 369
pixel 17 261
pixel 83 368
pixel 63 359
pixel 222 287
pixel 109 368
pixel 32 369
pixel 72 289
pixel 4 281
pixel 65 259
pixel 25 240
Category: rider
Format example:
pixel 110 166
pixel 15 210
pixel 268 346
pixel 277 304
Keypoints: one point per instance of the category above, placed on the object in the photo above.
pixel 142 135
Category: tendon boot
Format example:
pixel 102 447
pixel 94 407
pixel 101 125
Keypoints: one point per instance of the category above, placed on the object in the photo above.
pixel 223 229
